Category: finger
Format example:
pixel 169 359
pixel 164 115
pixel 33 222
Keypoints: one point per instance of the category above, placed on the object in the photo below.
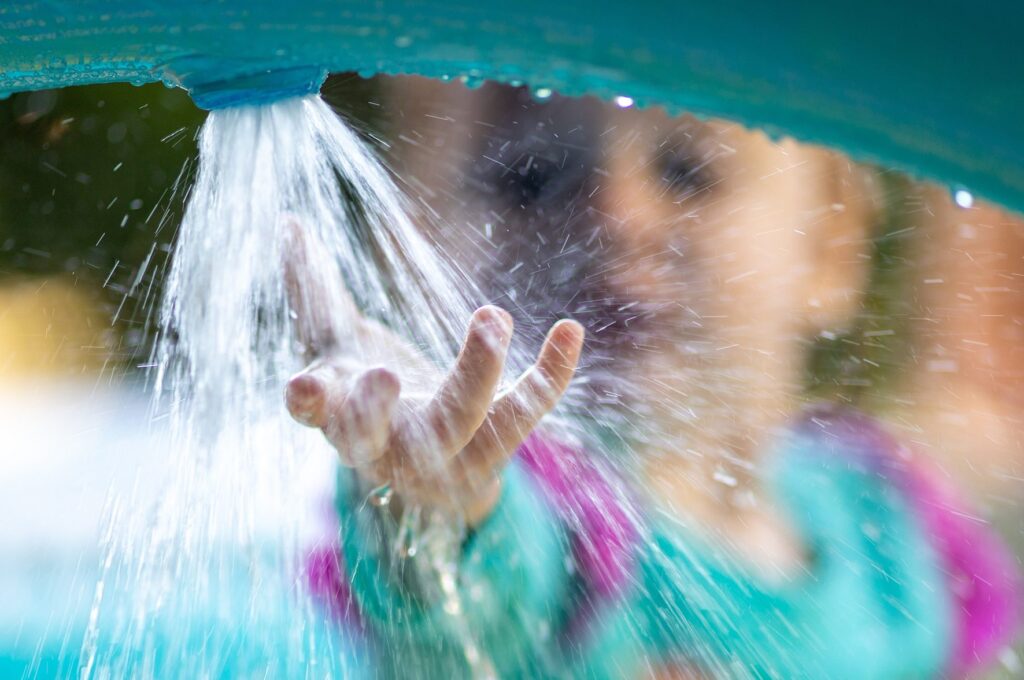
pixel 462 402
pixel 354 414
pixel 359 422
pixel 308 393
pixel 316 295
pixel 326 315
pixel 517 412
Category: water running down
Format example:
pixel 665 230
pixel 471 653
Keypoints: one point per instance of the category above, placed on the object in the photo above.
pixel 290 215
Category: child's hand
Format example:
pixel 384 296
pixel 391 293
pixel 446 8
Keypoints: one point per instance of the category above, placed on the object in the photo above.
pixel 443 450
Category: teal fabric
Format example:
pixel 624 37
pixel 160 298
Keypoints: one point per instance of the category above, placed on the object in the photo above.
pixel 240 627
pixel 933 89
pixel 873 602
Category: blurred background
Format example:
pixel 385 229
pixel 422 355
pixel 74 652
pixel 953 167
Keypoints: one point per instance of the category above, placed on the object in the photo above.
pixel 918 316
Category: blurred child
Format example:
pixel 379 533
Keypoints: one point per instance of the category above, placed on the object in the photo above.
pixel 761 538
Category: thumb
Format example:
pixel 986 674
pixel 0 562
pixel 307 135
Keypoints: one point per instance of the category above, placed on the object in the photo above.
pixel 321 306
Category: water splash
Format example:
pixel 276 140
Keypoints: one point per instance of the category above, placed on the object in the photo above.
pixel 277 183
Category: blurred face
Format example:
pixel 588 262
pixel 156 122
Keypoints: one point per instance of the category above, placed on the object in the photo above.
pixel 689 250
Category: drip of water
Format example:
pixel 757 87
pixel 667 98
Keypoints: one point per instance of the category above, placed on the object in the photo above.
pixel 285 182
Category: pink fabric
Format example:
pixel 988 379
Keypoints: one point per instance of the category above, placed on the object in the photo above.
pixel 329 584
pixel 326 576
pixel 605 537
pixel 981 571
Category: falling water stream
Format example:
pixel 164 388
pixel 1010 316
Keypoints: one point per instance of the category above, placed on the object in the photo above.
pixel 281 187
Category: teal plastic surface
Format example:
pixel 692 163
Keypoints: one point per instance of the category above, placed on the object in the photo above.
pixel 932 88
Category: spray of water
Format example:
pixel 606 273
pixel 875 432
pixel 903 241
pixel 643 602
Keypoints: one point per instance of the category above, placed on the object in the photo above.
pixel 291 228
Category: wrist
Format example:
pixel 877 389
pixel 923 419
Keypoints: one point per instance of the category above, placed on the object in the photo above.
pixel 478 506
pixel 471 506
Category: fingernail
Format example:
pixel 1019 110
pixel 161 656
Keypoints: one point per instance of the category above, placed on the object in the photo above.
pixel 496 321
pixel 304 395
pixel 382 388
pixel 505 317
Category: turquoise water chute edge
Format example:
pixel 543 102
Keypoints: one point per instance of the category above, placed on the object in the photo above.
pixel 936 91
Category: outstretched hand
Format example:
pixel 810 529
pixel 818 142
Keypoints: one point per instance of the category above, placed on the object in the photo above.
pixel 442 450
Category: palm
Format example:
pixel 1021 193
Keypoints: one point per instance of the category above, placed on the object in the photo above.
pixel 442 449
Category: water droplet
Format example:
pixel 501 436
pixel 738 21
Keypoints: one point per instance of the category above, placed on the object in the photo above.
pixel 963 198
pixel 472 79
pixel 724 478
pixel 381 496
